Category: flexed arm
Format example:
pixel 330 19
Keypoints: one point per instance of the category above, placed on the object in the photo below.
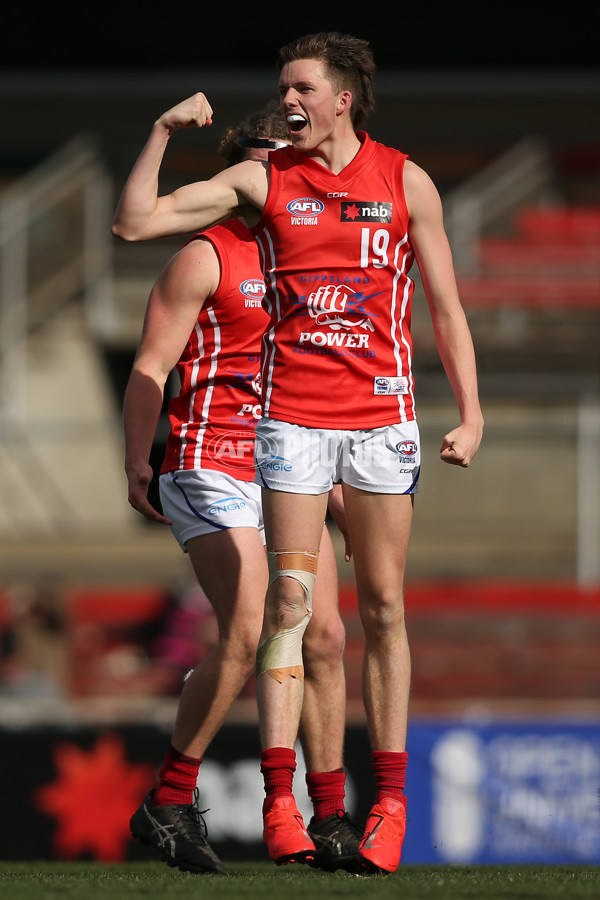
pixel 142 215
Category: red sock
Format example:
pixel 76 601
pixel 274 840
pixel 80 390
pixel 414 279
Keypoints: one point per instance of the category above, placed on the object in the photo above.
pixel 277 765
pixel 327 792
pixel 176 779
pixel 389 769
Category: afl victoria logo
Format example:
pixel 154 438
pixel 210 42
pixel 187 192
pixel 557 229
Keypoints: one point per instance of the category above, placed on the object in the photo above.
pixel 406 448
pixel 253 288
pixel 305 206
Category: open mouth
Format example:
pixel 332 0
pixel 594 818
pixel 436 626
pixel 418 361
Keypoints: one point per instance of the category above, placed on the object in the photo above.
pixel 296 123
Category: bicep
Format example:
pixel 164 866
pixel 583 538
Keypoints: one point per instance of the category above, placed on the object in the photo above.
pixel 197 206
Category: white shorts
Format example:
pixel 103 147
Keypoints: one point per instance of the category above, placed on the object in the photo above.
pixel 305 460
pixel 203 501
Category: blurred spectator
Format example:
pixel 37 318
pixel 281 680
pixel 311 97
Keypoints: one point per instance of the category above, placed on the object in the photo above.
pixel 34 646
pixel 189 632
pixel 153 660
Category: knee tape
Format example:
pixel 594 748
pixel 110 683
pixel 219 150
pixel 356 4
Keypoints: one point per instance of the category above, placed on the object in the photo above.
pixel 281 654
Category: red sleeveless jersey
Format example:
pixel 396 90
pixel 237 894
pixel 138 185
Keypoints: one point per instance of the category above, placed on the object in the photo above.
pixel 336 256
pixel 214 416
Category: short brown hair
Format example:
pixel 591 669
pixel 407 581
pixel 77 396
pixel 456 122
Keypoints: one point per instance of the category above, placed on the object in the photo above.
pixel 268 122
pixel 349 65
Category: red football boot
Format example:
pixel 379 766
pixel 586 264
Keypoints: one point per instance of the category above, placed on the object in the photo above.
pixel 285 834
pixel 381 846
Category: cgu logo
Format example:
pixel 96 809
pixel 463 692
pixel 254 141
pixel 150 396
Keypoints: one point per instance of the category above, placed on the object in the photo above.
pixel 253 288
pixel 305 206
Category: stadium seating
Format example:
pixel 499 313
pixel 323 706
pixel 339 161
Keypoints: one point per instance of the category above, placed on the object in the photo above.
pixel 552 259
pixel 533 296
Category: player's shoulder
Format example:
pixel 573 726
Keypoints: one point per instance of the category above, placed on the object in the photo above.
pixel 416 173
pixel 197 255
pixel 190 275
pixel 418 181
pixel 421 194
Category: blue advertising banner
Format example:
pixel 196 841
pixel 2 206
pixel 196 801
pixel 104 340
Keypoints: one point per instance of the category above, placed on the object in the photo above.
pixel 504 793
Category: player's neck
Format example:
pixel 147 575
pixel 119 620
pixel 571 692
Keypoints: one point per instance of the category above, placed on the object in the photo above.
pixel 337 153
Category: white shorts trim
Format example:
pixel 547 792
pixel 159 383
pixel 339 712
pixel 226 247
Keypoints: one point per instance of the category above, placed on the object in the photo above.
pixel 203 501
pixel 303 460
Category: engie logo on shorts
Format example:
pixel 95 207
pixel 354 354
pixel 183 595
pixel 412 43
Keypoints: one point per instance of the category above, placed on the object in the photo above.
pixel 305 210
pixel 275 464
pixel 227 505
pixel 407 451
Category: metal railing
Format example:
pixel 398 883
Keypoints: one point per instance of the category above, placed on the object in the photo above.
pixel 522 175
pixel 55 256
pixel 54 246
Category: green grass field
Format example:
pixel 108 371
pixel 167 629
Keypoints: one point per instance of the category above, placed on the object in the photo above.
pixel 255 881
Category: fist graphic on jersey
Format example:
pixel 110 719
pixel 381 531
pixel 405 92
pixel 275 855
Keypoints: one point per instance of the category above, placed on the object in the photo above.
pixel 328 306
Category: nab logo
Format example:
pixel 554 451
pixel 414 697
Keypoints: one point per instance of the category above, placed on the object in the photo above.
pixel 253 288
pixel 366 211
pixel 305 206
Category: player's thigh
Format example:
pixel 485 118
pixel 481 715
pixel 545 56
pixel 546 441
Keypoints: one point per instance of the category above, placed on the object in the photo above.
pixel 293 521
pixel 379 526
pixel 231 567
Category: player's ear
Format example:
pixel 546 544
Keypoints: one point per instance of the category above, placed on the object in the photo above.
pixel 344 102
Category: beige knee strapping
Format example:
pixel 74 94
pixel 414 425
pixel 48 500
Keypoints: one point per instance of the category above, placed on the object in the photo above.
pixel 280 655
